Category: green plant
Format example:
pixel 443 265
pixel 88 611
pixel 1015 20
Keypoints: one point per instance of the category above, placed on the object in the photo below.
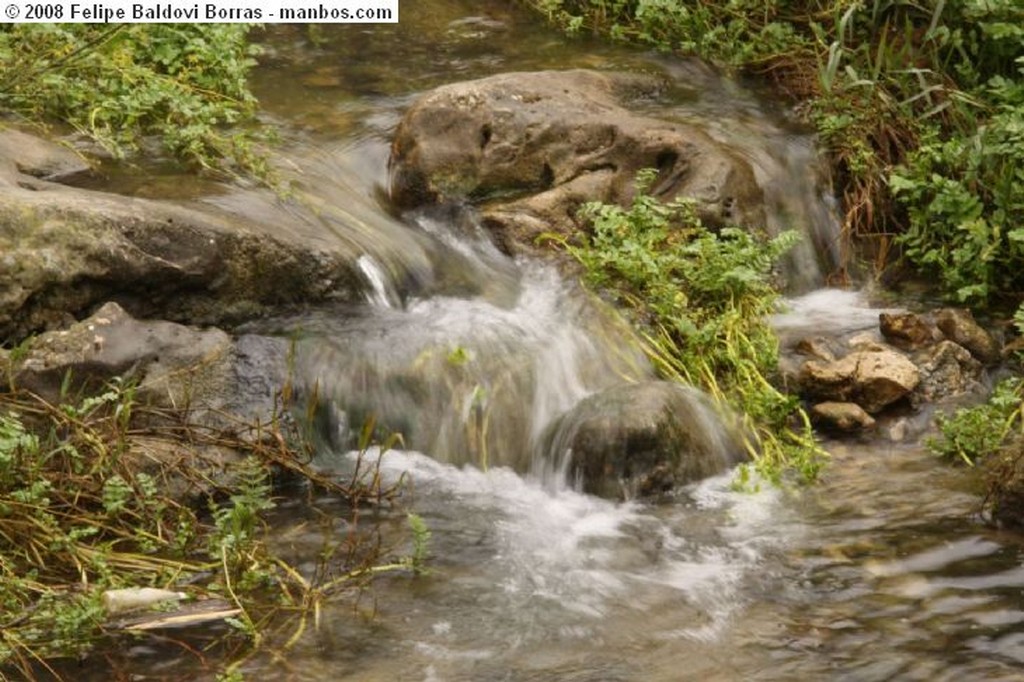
pixel 237 522
pixel 973 432
pixel 965 201
pixel 421 541
pixel 231 675
pixel 701 299
pixel 182 86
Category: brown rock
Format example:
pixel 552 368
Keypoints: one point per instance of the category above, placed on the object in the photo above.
pixel 908 331
pixel 960 327
pixel 871 378
pixel 846 417
pixel 882 378
pixel 532 146
pixel 817 347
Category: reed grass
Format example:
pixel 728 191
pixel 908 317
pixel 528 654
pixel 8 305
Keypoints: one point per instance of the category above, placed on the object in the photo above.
pixel 100 493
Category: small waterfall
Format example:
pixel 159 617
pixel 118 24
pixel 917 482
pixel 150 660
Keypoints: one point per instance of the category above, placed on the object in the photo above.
pixel 512 367
pixel 466 380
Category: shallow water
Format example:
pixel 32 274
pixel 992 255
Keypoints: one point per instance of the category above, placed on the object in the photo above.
pixel 881 572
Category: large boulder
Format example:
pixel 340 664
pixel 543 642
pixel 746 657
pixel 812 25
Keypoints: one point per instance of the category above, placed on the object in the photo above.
pixel 642 440
pixel 65 250
pixel 532 147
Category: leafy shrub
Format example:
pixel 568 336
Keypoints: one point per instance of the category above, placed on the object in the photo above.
pixel 701 299
pixel 965 200
pixel 182 85
pixel 737 33
pixel 973 432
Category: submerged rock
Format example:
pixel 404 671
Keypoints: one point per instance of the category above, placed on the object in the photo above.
pixel 532 147
pixel 642 439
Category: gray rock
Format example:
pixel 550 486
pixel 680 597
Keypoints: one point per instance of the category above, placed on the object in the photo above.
pixel 947 370
pixel 642 439
pixel 37 158
pixel 960 327
pixel 172 363
pixel 200 372
pixel 65 250
pixel 532 147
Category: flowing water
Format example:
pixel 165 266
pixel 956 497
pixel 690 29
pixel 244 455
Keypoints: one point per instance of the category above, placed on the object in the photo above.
pixel 880 572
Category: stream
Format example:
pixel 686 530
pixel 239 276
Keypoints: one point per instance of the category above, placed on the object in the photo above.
pixel 881 572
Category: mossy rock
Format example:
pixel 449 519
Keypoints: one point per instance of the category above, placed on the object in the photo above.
pixel 1004 473
pixel 65 250
pixel 642 440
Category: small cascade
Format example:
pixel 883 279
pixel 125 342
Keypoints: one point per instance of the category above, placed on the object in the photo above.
pixel 464 379
pixel 839 312
pixel 506 364
pixel 380 291
pixel 785 160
